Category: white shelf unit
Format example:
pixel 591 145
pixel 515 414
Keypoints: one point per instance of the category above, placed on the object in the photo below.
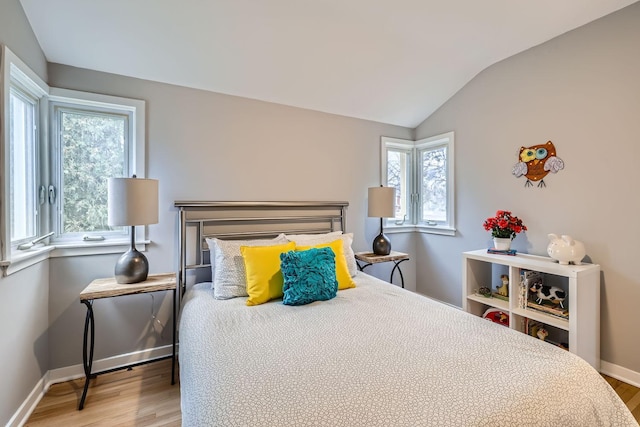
pixel 582 283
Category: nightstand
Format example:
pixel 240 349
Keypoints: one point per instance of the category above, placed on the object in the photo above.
pixel 109 288
pixel 369 258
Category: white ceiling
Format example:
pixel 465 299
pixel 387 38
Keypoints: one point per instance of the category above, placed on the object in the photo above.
pixel 388 61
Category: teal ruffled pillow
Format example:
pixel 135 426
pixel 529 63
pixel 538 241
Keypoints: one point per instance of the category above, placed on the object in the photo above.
pixel 308 276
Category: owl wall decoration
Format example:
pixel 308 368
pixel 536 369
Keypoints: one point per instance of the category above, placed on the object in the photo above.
pixel 536 162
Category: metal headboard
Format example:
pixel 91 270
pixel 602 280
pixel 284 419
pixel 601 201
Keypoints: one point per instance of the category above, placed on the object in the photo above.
pixel 246 220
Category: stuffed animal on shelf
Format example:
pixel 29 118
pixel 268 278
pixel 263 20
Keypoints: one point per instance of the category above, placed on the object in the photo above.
pixel 504 289
pixel 496 316
pixel 548 293
pixel 542 334
pixel 484 291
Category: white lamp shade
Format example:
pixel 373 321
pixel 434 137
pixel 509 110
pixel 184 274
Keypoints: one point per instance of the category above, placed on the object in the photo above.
pixel 133 201
pixel 382 202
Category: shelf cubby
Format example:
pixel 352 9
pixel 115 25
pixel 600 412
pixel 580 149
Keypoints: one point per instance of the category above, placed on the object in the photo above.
pixel 580 330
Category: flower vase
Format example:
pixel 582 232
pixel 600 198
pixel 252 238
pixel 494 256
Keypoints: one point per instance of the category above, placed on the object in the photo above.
pixel 502 243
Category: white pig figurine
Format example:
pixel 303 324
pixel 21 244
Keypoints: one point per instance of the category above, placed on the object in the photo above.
pixel 565 249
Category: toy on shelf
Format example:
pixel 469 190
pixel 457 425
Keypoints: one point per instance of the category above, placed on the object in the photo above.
pixel 565 249
pixel 542 334
pixel 502 291
pixel 496 316
pixel 536 330
pixel 504 288
pixel 548 293
pixel 484 291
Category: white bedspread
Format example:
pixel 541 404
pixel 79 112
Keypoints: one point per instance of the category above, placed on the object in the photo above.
pixel 377 355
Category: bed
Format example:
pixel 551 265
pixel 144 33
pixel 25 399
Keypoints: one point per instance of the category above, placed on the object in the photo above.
pixel 375 355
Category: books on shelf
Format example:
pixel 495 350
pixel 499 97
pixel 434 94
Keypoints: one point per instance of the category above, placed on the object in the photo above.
pixel 552 309
pixel 522 293
pixel 501 252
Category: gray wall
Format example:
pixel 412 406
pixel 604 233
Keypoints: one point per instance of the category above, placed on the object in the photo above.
pixel 581 91
pixel 23 296
pixel 24 333
pixel 208 146
pixel 16 32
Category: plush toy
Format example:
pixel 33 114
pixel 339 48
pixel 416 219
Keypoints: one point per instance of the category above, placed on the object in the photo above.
pixel 484 291
pixel 542 334
pixel 496 316
pixel 504 289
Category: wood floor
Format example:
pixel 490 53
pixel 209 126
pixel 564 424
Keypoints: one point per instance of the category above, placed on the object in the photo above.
pixel 629 394
pixel 144 396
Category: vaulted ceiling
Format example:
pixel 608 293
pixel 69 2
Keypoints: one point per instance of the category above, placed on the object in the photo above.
pixel 388 61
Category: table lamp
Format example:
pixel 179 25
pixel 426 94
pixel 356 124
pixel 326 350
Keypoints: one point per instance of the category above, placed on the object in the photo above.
pixel 132 201
pixel 382 204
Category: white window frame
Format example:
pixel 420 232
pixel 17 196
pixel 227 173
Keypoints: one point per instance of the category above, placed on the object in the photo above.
pixel 416 148
pixel 68 244
pixel 433 143
pixel 406 146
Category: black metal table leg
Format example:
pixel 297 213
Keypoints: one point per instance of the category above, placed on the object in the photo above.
pixel 362 267
pixel 397 266
pixel 173 358
pixel 87 360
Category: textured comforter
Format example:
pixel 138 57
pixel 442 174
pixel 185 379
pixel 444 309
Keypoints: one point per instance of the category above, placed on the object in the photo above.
pixel 377 355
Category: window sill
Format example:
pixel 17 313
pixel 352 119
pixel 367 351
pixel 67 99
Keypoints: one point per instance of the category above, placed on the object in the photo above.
pixel 443 231
pixel 23 259
pixel 394 229
pixel 65 249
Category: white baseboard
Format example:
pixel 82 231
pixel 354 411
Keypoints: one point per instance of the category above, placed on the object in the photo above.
pixel 618 372
pixel 77 371
pixel 68 373
pixel 24 411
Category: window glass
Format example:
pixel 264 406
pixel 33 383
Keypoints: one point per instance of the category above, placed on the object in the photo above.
pixel 398 177
pixel 94 148
pixel 433 184
pixel 22 165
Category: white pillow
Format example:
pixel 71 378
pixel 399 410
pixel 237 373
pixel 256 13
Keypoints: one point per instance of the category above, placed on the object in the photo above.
pixel 317 239
pixel 293 237
pixel 229 278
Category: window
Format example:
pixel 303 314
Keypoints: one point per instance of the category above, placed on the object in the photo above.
pixel 24 97
pixel 398 175
pixel 95 137
pixel 422 173
pixel 435 180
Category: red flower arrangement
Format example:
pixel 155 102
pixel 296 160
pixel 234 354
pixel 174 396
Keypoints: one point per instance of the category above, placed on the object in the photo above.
pixel 504 225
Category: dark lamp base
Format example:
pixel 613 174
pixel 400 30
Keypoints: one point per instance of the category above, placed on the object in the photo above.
pixel 132 267
pixel 381 245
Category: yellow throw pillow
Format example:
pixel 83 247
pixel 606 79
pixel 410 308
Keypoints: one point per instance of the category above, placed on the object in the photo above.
pixel 262 266
pixel 342 271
